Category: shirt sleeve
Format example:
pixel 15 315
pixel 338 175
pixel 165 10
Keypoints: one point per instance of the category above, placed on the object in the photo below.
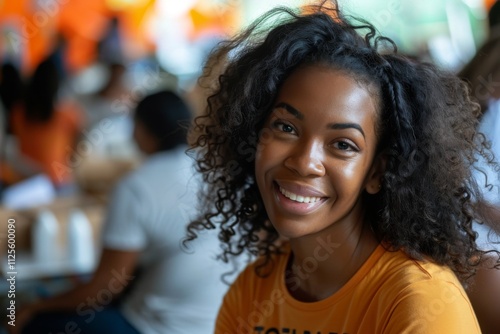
pixel 432 308
pixel 124 227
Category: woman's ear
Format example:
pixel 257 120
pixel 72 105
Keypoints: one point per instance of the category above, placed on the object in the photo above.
pixel 373 182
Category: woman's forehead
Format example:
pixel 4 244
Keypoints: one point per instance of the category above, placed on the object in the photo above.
pixel 325 84
pixel 328 95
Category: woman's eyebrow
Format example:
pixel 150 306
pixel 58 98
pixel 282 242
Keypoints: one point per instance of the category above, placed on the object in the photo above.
pixel 337 126
pixel 334 126
pixel 290 109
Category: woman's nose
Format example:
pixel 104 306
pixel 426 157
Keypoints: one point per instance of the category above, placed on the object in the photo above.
pixel 306 159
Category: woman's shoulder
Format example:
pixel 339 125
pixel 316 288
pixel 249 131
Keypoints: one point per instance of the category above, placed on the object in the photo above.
pixel 399 263
pixel 426 292
pixel 400 274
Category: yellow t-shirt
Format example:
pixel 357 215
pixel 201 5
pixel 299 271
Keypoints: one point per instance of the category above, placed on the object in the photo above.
pixel 390 293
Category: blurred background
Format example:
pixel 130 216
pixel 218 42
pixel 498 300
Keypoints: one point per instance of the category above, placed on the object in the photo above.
pixel 178 34
pixel 105 55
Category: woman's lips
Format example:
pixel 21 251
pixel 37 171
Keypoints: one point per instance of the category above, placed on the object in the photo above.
pixel 299 189
pixel 298 198
pixel 298 203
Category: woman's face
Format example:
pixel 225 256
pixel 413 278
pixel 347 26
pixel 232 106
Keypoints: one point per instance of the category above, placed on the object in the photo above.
pixel 316 152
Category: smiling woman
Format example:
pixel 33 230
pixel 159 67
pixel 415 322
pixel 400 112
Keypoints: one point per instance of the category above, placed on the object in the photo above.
pixel 357 198
pixel 323 149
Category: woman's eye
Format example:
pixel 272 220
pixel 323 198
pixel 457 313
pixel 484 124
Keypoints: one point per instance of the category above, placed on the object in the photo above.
pixel 286 128
pixel 344 146
pixel 283 127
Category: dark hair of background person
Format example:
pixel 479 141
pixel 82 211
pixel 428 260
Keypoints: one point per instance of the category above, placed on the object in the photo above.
pixel 166 116
pixel 427 128
pixel 482 72
pixel 494 16
pixel 42 92
pixel 11 85
pixel 11 89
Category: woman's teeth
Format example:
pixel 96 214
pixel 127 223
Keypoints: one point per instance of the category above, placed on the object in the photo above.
pixel 298 198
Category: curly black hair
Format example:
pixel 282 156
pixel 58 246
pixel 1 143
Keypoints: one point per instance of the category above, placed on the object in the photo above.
pixel 427 128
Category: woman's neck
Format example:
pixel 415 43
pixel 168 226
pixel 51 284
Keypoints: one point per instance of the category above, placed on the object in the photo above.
pixel 321 264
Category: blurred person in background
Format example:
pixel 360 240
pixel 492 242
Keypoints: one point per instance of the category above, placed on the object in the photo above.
pixel 483 75
pixel 11 94
pixel 168 290
pixel 11 90
pixel 110 95
pixel 494 19
pixel 46 127
pixel 102 103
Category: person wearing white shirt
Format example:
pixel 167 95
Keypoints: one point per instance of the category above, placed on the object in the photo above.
pixel 162 287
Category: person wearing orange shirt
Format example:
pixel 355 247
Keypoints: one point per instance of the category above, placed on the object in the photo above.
pixel 47 128
pixel 347 168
